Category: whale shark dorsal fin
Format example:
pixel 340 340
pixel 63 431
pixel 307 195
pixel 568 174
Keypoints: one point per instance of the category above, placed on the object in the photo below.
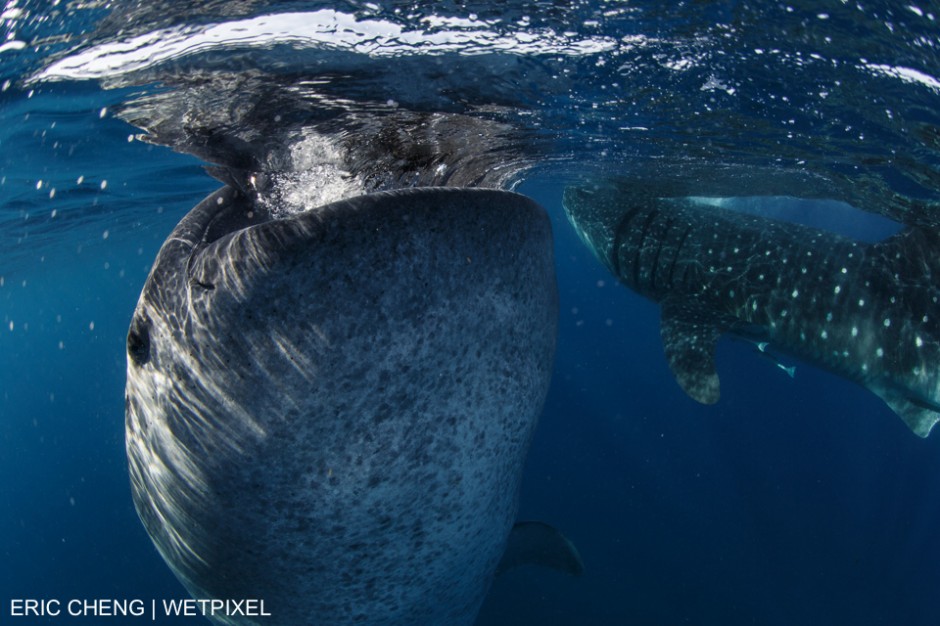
pixel 919 416
pixel 689 338
pixel 537 543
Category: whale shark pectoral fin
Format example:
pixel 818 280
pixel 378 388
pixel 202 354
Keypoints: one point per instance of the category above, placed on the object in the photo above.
pixel 689 339
pixel 537 543
pixel 918 415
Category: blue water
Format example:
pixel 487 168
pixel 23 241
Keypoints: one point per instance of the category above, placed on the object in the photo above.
pixel 792 501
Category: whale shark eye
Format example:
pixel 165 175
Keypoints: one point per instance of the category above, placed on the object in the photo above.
pixel 138 341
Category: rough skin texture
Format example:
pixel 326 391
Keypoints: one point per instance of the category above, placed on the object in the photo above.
pixel 331 412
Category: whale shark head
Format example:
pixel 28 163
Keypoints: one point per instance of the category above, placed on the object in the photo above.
pixel 331 411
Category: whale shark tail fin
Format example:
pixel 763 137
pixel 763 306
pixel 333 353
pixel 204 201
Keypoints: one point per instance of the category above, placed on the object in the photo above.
pixel 919 416
pixel 537 543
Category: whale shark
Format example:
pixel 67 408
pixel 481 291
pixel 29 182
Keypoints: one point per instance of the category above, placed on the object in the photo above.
pixel 866 311
pixel 329 411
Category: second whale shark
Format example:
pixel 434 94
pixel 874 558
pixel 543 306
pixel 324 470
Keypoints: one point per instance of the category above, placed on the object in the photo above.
pixel 865 311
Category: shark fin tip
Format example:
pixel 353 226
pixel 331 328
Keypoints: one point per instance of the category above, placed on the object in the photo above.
pixel 537 543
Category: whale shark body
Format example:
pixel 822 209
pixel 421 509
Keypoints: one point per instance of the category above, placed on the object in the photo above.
pixel 865 311
pixel 330 411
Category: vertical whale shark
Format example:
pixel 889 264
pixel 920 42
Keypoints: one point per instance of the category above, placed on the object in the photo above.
pixel 330 411
pixel 865 311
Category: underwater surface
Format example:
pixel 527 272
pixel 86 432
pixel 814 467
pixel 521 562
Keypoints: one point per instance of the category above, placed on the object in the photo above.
pixel 802 500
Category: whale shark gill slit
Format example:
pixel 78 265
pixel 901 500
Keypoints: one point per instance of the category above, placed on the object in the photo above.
pixel 660 242
pixel 620 231
pixel 675 256
pixel 641 246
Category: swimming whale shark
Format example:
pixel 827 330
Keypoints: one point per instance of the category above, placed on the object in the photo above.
pixel 329 412
pixel 865 311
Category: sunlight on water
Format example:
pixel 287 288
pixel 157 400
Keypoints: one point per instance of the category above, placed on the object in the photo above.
pixel 321 29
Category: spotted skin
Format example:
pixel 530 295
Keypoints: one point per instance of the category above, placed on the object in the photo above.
pixel 331 412
pixel 867 312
